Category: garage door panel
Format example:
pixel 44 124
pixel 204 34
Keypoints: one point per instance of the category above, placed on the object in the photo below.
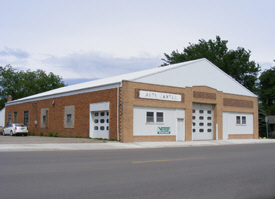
pixel 100 123
pixel 203 120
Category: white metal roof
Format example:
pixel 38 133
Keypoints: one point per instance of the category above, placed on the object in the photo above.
pixel 199 72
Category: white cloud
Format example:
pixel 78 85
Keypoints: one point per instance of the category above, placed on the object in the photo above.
pixel 92 65
pixel 14 52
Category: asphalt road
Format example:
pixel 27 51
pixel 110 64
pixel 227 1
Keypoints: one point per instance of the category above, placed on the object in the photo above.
pixel 239 171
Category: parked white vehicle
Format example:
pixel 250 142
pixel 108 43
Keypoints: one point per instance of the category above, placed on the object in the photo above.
pixel 15 129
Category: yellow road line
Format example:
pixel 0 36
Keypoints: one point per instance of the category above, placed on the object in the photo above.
pixel 167 160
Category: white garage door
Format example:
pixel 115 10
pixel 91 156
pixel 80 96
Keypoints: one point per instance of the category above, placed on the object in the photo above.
pixel 203 120
pixel 100 123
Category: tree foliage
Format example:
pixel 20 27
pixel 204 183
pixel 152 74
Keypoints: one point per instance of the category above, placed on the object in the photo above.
pixel 267 90
pixel 235 63
pixel 20 84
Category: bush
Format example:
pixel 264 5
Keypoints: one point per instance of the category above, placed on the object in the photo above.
pixel 50 134
pixel 41 133
pixel 55 134
pixel 32 133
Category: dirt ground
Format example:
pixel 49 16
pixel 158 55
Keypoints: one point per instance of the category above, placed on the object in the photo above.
pixel 43 140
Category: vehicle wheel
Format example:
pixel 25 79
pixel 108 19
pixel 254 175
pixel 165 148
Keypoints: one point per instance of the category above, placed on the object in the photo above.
pixel 25 134
pixel 11 133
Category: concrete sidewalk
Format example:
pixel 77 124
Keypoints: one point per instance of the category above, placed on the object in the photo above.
pixel 118 145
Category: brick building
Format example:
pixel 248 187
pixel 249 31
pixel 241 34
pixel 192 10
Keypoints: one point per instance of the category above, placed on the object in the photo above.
pixel 188 101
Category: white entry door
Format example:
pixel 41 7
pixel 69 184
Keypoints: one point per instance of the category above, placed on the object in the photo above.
pixel 180 130
pixel 203 121
pixel 100 124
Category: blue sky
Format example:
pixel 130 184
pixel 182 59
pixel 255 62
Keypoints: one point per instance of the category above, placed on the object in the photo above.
pixel 86 39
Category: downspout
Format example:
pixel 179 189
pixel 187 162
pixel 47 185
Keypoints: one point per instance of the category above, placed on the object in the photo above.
pixel 117 112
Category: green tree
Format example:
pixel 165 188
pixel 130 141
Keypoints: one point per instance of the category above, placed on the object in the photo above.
pixel 235 63
pixel 267 90
pixel 20 84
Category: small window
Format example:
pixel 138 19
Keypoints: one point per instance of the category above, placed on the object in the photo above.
pixel 102 121
pixel 238 120
pixel 96 128
pixel 209 118
pixel 96 114
pixel 107 113
pixel 107 120
pixel 44 120
pixel 209 130
pixel 201 111
pixel 194 117
pixel 96 120
pixel 201 130
pixel 209 124
pixel 201 117
pixel 69 117
pixel 107 128
pixel 201 124
pixel 194 130
pixel 159 116
pixel 26 118
pixel 102 128
pixel 150 117
pixel 209 112
pixel 15 117
pixel 102 113
pixel 243 120
pixel 9 118
pixel 194 124
pixel 194 111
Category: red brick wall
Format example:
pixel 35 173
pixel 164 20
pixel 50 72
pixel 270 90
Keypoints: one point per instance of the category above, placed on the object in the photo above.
pixel 56 113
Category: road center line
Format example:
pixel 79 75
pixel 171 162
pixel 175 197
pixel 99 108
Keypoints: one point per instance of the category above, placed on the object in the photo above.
pixel 167 160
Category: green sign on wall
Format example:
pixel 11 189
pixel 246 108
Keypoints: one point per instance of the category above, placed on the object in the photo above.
pixel 164 130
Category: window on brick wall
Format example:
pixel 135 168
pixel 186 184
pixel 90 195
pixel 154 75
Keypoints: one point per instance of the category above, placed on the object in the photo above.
pixel 69 117
pixel 26 118
pixel 9 118
pixel 44 117
pixel 15 117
